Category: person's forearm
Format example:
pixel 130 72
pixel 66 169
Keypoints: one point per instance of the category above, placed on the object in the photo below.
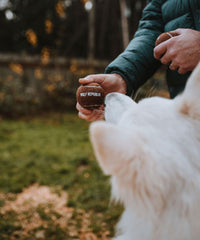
pixel 137 63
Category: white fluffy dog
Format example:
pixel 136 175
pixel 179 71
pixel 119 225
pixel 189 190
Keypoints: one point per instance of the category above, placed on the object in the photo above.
pixel 152 151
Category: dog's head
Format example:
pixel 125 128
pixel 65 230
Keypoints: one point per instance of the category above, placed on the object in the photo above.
pixel 136 138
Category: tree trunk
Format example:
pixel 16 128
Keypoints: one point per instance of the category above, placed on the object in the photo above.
pixel 124 23
pixel 91 39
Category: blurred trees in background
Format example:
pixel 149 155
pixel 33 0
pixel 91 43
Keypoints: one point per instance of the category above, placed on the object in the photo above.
pixel 46 45
pixel 61 27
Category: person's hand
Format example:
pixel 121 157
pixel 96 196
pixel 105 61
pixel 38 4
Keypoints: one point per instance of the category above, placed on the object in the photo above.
pixel 181 52
pixel 110 83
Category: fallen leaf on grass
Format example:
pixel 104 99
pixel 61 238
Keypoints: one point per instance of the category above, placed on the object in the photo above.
pixel 28 203
pixel 39 208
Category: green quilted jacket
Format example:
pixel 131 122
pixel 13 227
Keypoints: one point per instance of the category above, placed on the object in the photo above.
pixel 136 64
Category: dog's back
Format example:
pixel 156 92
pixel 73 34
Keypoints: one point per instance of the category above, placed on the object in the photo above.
pixel 152 152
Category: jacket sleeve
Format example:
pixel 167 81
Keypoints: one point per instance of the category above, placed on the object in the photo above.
pixel 136 64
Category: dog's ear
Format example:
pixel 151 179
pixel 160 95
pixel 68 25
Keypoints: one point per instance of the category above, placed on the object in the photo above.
pixel 116 105
pixel 110 145
pixel 188 102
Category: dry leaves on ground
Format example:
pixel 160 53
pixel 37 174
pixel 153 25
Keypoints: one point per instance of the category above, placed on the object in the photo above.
pixel 37 208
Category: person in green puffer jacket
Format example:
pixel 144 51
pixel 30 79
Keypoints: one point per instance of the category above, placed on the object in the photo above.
pixel 141 58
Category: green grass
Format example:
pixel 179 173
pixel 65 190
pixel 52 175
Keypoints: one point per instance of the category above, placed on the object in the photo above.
pixel 54 150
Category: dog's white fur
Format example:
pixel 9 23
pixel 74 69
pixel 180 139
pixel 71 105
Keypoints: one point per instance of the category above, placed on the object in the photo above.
pixel 152 151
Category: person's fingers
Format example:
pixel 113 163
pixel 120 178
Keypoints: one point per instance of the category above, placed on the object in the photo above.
pixel 160 50
pixel 82 116
pixel 83 110
pixel 90 115
pixel 173 66
pixel 94 116
pixel 165 59
pixel 182 70
pixel 177 32
pixel 98 114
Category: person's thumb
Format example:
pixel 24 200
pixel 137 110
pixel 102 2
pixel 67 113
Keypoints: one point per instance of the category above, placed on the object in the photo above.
pixel 86 80
pixel 176 32
pixel 98 78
